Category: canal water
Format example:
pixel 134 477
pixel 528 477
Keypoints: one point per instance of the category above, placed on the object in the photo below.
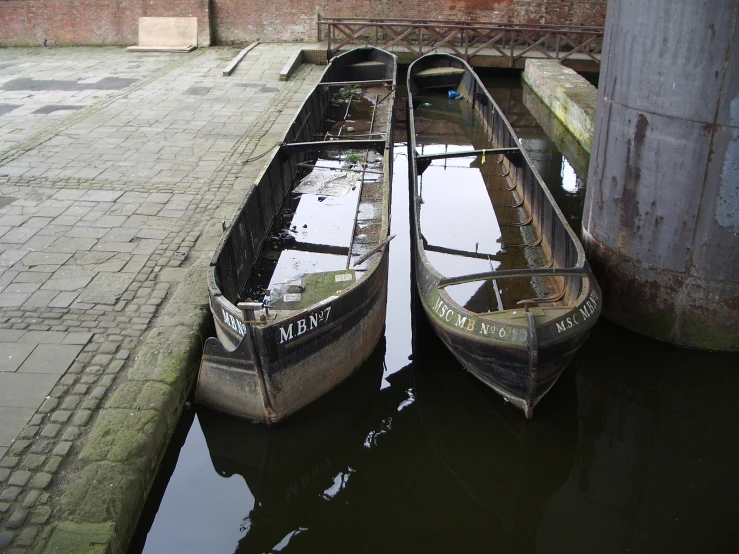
pixel 633 450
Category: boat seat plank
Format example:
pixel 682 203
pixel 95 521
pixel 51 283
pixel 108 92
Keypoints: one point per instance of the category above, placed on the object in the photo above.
pixel 510 273
pixel 295 147
pixel 439 71
pixel 368 63
pixel 374 82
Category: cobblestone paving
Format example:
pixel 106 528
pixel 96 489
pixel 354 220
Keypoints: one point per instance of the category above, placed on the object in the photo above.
pixel 101 208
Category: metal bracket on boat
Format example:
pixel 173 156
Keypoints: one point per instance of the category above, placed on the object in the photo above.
pixel 520 223
pixel 422 165
pixel 537 242
pixel 248 309
pixel 507 273
pixel 527 303
pixel 515 205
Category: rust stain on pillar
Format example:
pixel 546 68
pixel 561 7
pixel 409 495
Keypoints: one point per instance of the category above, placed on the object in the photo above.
pixel 661 217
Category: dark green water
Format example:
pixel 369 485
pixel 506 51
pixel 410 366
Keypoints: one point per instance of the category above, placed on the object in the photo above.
pixel 633 450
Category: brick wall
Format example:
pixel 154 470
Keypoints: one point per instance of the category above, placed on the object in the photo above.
pixel 238 21
pixel 78 22
pixel 91 22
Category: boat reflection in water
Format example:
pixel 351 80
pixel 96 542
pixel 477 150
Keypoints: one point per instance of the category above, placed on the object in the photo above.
pixel 635 452
pixel 426 463
pixel 657 452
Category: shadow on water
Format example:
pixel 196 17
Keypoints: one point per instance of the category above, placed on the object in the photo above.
pixel 633 450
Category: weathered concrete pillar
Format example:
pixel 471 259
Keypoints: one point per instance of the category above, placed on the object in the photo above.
pixel 661 218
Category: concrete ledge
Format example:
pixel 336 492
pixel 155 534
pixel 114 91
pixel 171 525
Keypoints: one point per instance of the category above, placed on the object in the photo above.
pixel 292 64
pixel 182 49
pixel 568 95
pixel 240 56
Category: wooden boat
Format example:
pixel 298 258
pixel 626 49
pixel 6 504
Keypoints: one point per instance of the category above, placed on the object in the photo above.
pixel 500 273
pixel 298 282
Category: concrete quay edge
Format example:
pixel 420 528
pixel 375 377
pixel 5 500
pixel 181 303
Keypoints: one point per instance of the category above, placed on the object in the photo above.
pixel 570 97
pixel 130 437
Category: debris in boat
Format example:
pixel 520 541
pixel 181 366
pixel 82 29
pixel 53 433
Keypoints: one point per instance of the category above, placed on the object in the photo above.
pixel 326 182
pixel 426 105
pixel 255 293
pixel 282 238
pixel 350 129
pixel 454 95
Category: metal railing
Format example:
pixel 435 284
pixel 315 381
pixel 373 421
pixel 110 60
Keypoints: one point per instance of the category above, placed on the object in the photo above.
pixel 465 39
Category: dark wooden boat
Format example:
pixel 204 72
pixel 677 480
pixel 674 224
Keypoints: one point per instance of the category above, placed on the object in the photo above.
pixel 298 282
pixel 500 273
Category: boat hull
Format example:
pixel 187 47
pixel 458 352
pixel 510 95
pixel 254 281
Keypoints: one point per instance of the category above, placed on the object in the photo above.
pixel 267 364
pixel 519 353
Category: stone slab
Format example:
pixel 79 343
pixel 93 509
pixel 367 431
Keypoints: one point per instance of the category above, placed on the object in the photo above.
pixel 25 390
pixel 106 288
pixel 50 358
pixel 12 355
pixel 10 335
pixel 13 421
pixel 43 337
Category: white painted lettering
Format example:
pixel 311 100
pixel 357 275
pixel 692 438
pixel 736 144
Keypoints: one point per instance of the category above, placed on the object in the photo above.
pixel 304 325
pixel 286 336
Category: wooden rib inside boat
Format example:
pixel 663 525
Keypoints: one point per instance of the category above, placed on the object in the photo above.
pixel 298 282
pixel 500 273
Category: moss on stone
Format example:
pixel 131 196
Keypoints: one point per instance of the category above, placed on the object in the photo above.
pixel 81 538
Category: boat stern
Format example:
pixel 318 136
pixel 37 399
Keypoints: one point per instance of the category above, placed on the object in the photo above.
pixel 230 382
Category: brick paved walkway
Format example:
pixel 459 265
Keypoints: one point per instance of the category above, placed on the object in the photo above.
pixel 112 167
